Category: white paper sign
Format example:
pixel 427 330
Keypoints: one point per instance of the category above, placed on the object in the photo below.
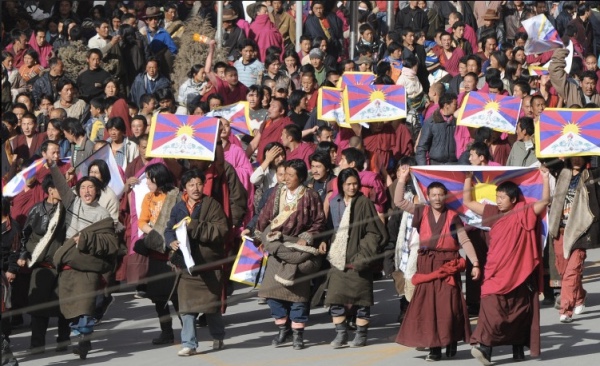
pixel 139 191
pixel 184 244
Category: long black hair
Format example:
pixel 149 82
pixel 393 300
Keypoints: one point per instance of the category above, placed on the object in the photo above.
pixel 343 177
pixel 161 176
pixel 104 171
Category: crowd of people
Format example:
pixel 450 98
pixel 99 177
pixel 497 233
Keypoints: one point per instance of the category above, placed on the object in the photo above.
pixel 333 207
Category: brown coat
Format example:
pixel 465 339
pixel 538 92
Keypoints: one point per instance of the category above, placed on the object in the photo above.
pixel 200 292
pixel 365 240
pixel 94 255
pixel 571 93
pixel 307 222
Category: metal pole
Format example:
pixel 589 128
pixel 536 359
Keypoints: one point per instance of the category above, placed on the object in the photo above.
pixel 390 15
pixel 219 33
pixel 353 26
pixel 299 9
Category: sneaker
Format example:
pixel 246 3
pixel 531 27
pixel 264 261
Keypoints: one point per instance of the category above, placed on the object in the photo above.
pixel 557 303
pixel 581 307
pixel 262 301
pixel 186 351
pixel 140 295
pixel 564 318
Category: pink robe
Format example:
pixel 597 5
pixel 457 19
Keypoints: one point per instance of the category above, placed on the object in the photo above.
pixel 265 34
pixel 236 156
pixel 44 52
pixel 302 152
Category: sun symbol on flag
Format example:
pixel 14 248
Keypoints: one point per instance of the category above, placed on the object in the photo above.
pixel 485 191
pixel 492 105
pixel 570 128
pixel 377 95
pixel 185 130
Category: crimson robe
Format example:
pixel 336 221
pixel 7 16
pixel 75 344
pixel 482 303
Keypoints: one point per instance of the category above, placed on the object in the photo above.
pixel 379 146
pixel 302 152
pixel 513 277
pixel 22 150
pixel 270 131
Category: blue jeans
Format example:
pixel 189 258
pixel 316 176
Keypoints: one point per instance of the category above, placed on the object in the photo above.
pixel 362 312
pixel 83 325
pixel 216 328
pixel 296 311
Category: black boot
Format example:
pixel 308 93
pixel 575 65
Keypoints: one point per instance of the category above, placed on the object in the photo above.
pixel 403 308
pixel 8 359
pixel 483 354
pixel 84 346
pixel 298 341
pixel 351 321
pixel 518 353
pixel 283 336
pixel 435 354
pixel 341 339
pixel 166 335
pixel 360 338
pixel 451 349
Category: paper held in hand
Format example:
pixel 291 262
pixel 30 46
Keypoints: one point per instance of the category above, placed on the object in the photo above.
pixel 184 244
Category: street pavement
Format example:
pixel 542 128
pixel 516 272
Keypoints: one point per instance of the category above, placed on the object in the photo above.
pixel 124 336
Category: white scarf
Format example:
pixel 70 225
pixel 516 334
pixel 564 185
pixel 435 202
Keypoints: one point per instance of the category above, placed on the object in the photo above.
pixel 337 252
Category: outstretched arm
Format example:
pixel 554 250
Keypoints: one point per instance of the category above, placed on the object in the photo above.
pixel 399 200
pixel 540 206
pixel 209 61
pixel 468 198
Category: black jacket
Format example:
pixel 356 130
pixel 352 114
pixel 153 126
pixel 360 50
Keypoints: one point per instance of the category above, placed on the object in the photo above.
pixel 416 19
pixel 11 234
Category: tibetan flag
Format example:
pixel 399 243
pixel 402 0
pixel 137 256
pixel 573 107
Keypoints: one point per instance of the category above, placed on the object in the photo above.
pixel 355 78
pixel 485 180
pixel 542 36
pixel 117 179
pixel 183 137
pixel 249 264
pixel 17 184
pixel 538 70
pixel 562 132
pixel 498 112
pixel 237 114
pixel 374 103
pixel 330 106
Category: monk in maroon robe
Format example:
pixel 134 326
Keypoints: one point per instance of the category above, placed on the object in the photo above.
pixel 513 272
pixel 271 129
pixel 437 313
pixel 295 147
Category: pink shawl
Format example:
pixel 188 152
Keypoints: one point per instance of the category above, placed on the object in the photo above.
pixel 265 34
pixel 45 52
pixel 235 156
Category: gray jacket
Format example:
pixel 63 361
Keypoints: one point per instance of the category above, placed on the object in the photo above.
pixel 520 156
pixel 437 138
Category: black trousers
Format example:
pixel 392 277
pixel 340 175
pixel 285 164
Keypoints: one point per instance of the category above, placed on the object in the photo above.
pixel 39 327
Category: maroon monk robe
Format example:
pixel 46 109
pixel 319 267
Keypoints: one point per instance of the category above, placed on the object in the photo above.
pixel 303 151
pixel 513 278
pixel 379 145
pixel 24 201
pixel 24 151
pixel 437 314
pixel 270 131
pixel 404 146
pixel 501 152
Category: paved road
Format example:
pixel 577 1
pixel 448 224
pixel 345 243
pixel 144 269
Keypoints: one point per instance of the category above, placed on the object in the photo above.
pixel 124 337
